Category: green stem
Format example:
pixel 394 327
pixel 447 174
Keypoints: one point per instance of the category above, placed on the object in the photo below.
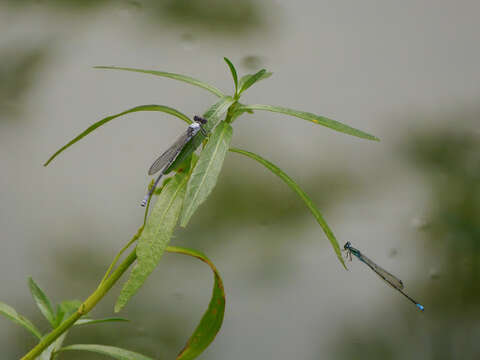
pixel 135 237
pixel 229 116
pixel 86 307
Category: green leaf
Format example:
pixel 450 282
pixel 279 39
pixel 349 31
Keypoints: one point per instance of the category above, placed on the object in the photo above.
pixel 205 174
pixel 234 73
pixel 42 302
pixel 212 319
pixel 155 237
pixel 98 321
pixel 213 116
pixel 248 80
pixel 65 309
pixel 311 206
pixel 178 77
pixel 161 108
pixel 321 120
pixel 114 352
pixel 11 314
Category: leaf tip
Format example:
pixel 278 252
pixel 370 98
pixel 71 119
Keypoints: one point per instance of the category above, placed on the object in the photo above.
pixel 118 307
pixel 184 221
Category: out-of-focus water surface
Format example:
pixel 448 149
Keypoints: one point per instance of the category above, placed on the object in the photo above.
pixel 405 71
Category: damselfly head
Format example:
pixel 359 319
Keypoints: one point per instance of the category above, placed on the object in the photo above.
pixel 199 119
pixel 347 245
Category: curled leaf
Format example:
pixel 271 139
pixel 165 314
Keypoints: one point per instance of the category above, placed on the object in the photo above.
pixel 212 319
pixel 293 185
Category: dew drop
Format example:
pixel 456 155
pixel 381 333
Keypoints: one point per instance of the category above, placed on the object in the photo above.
pixel 433 274
pixel 419 223
pixel 252 62
pixel 392 253
pixel 188 41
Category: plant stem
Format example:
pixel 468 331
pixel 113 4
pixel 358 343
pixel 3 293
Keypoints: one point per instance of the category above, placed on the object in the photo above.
pixel 229 116
pixel 135 238
pixel 86 307
pixel 117 257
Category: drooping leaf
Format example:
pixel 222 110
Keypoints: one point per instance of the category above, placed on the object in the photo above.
pixel 213 117
pixel 248 80
pixel 42 302
pixel 293 185
pixel 178 77
pixel 161 108
pixel 205 174
pixel 86 321
pixel 212 319
pixel 155 236
pixel 234 73
pixel 317 119
pixel 114 352
pixel 11 314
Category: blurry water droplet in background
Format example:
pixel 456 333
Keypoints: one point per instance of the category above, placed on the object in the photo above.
pixel 392 253
pixel 129 7
pixel 188 41
pixel 433 273
pixel 419 223
pixel 252 62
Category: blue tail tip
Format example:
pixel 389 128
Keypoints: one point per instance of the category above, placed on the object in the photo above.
pixel 420 307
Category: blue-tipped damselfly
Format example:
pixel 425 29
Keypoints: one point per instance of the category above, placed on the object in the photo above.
pixel 390 279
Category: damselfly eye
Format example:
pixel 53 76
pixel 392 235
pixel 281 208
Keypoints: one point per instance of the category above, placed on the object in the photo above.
pixel 199 119
pixel 347 245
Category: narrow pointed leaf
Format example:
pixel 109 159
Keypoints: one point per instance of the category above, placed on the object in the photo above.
pixel 317 119
pixel 205 174
pixel 234 73
pixel 245 78
pixel 213 117
pixel 11 314
pixel 98 321
pixel 161 108
pixel 212 319
pixel 179 77
pixel 42 302
pixel 112 351
pixel 248 80
pixel 293 185
pixel 105 120
pixel 155 236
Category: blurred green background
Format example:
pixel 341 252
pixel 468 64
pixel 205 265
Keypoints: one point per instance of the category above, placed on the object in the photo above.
pixel 405 71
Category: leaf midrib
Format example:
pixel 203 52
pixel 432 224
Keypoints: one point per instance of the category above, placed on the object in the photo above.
pixel 170 204
pixel 208 167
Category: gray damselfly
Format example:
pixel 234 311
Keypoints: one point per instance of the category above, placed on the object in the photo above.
pixel 390 279
pixel 165 160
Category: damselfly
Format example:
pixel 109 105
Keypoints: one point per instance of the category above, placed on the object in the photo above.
pixel 165 160
pixel 390 279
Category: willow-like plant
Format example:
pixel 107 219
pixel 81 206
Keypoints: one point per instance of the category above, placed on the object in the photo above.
pixel 178 199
